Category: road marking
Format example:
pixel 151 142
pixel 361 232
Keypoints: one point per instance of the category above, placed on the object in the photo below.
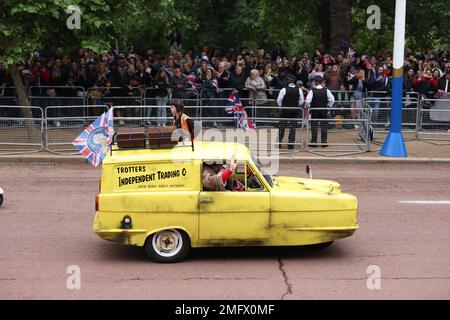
pixel 426 202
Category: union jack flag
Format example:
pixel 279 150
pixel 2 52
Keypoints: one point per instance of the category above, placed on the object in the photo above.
pixel 238 186
pixel 235 107
pixel 242 121
pixel 233 104
pixel 95 141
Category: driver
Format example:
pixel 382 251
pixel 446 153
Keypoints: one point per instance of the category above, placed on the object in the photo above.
pixel 252 181
pixel 217 177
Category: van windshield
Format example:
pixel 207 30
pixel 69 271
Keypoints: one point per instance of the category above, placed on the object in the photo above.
pixel 259 166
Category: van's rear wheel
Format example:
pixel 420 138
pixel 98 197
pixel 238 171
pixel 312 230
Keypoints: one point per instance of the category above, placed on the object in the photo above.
pixel 167 246
pixel 1 200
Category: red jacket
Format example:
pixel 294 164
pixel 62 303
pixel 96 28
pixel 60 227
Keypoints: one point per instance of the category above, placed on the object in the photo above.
pixel 434 83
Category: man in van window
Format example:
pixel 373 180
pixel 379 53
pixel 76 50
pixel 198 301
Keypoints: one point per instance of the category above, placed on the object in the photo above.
pixel 217 177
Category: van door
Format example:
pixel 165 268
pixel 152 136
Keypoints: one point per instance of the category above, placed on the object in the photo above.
pixel 232 215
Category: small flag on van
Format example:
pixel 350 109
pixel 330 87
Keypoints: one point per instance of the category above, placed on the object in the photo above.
pixel 95 141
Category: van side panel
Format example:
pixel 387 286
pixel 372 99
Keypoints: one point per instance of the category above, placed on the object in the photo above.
pixel 156 196
pixel 108 225
pixel 150 202
pixel 156 176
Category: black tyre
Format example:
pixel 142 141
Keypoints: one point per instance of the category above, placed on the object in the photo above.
pixel 167 246
pixel 1 200
pixel 320 246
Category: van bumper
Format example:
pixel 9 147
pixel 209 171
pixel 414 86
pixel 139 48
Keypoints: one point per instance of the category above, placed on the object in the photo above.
pixel 133 237
pixel 123 236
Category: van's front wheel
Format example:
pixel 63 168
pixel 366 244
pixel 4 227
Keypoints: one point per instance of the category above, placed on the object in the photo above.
pixel 320 246
pixel 167 246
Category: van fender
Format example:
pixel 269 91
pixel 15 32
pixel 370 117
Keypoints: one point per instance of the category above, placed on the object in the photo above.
pixel 149 233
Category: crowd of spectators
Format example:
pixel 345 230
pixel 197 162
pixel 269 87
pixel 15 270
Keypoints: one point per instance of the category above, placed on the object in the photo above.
pixel 257 74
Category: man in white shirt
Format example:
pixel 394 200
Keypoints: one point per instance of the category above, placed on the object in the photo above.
pixel 320 100
pixel 290 99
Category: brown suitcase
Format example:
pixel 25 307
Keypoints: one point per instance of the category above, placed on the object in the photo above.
pixel 161 137
pixel 131 138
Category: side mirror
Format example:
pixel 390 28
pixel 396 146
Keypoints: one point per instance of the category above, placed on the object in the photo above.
pixel 309 171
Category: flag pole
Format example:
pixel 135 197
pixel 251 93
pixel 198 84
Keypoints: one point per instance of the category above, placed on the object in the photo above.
pixel 394 145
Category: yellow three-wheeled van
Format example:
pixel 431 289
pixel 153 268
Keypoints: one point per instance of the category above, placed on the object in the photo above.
pixel 155 199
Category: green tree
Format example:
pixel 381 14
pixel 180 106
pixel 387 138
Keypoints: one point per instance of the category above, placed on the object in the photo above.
pixel 291 23
pixel 339 23
pixel 426 25
pixel 28 26
pixel 334 19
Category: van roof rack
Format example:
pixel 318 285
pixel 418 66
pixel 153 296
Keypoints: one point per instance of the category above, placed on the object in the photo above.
pixel 148 145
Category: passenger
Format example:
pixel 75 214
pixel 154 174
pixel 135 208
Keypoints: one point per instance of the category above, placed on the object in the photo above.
pixel 181 120
pixel 217 177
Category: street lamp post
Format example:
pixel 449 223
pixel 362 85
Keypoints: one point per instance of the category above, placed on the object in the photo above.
pixel 394 145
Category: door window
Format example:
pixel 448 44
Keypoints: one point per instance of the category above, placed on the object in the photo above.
pixel 216 178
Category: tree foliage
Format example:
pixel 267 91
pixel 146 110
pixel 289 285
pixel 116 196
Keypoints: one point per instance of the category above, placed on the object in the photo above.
pixel 29 25
pixel 426 25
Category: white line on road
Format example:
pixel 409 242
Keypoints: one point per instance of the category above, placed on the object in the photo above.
pixel 426 202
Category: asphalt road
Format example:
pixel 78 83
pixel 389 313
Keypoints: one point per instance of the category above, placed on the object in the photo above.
pixel 46 223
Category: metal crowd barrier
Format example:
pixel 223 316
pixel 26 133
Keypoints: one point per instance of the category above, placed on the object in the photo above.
pixel 64 123
pixel 21 129
pixel 191 106
pixel 342 95
pixel 412 95
pixel 136 116
pixel 59 120
pixel 7 91
pixel 381 111
pixel 120 101
pixel 215 107
pixel 111 91
pixel 289 122
pixel 434 121
pixel 224 94
pixel 8 100
pixel 233 127
pixel 159 108
pixel 271 93
pixel 264 118
pixel 375 93
pixel 352 137
pixel 60 91
pixel 265 108
pixel 191 93
pixel 45 102
pixel 224 101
